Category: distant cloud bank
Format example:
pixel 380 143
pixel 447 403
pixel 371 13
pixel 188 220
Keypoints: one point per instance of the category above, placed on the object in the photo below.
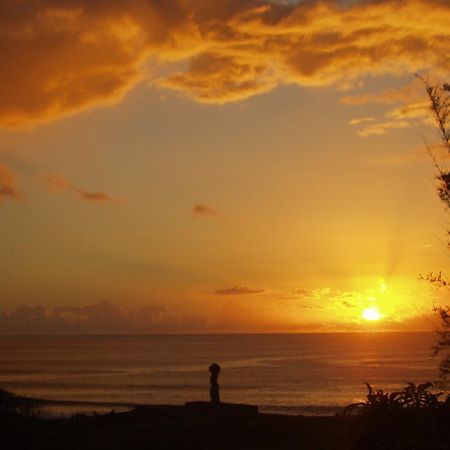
pixel 60 58
pixel 232 316
pixel 97 318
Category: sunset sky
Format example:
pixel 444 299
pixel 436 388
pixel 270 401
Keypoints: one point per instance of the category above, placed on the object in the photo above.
pixel 218 165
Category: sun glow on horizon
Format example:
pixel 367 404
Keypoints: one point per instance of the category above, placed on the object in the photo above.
pixel 371 314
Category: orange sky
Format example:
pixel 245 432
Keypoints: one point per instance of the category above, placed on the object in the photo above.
pixel 220 165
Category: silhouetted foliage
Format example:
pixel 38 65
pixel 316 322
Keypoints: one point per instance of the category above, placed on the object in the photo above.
pixel 412 396
pixel 14 404
pixel 413 418
pixel 439 96
pixel 443 344
pixel 437 279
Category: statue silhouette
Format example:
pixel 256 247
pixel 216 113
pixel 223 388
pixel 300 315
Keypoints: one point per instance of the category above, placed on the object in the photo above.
pixel 214 370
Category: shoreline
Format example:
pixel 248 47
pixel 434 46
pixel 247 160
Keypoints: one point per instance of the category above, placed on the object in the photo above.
pixel 225 426
pixel 73 407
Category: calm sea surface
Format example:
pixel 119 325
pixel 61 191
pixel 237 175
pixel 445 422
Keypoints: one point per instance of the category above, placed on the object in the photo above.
pixel 292 374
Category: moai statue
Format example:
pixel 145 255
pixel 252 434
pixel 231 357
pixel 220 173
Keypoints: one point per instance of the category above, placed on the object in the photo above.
pixel 214 370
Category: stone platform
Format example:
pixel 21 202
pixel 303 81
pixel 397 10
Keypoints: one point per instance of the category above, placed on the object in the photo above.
pixel 223 409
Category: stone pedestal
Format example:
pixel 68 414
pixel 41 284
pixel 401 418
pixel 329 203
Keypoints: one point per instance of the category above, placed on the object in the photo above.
pixel 227 409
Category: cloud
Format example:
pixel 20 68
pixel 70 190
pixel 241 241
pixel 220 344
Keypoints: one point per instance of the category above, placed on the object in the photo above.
pixel 96 318
pixel 361 120
pixel 202 210
pixel 348 304
pixel 411 107
pixel 59 58
pixel 87 196
pixel 238 290
pixel 403 94
pixel 297 294
pixel 86 53
pixel 414 110
pixel 220 79
pixel 381 128
pixel 8 184
pixel 57 183
pixel 303 292
pixel 417 155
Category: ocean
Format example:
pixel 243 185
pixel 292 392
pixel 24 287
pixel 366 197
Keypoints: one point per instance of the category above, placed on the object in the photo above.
pixel 311 374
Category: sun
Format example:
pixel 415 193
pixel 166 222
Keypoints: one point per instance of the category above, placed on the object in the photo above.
pixel 371 314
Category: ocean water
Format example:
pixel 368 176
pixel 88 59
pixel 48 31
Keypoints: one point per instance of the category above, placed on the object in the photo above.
pixel 290 374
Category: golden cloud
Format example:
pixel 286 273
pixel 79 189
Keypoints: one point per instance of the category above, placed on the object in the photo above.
pixel 410 107
pixel 413 110
pixel 411 91
pixel 59 58
pixel 361 120
pixel 381 128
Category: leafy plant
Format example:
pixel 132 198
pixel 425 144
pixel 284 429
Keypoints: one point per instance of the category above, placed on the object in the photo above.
pixel 412 418
pixel 412 396
pixel 443 343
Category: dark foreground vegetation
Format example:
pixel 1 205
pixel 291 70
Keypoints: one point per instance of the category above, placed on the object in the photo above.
pixel 384 421
pixel 413 418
